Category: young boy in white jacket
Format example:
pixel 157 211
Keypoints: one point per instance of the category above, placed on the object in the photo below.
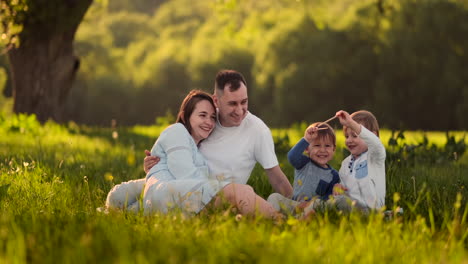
pixel 362 173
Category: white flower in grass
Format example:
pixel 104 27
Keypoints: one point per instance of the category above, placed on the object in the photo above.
pixel 238 217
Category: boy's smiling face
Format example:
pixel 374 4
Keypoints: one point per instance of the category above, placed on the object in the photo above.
pixel 354 143
pixel 321 151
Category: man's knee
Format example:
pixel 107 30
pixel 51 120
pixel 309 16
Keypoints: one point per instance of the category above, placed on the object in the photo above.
pixel 235 190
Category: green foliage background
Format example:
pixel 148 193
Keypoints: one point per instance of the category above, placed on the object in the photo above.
pixel 406 61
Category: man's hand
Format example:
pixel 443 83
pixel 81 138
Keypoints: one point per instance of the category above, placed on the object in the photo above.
pixel 339 189
pixel 149 161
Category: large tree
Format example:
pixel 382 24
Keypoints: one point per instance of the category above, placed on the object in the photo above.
pixel 39 38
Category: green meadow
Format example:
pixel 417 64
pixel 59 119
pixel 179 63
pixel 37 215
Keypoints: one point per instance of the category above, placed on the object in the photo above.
pixel 54 177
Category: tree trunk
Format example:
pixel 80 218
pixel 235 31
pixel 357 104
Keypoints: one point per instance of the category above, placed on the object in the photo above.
pixel 43 67
pixel 42 75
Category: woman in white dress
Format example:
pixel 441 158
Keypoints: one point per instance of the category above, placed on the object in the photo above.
pixel 181 179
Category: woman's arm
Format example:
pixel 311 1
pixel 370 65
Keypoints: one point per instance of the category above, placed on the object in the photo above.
pixel 179 150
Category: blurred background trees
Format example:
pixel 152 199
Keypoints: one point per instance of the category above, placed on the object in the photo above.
pixel 406 61
pixel 38 38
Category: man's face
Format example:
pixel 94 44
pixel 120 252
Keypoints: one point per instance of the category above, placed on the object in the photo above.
pixel 232 106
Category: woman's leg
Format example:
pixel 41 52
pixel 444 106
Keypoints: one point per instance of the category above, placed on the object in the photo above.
pixel 244 198
pixel 125 195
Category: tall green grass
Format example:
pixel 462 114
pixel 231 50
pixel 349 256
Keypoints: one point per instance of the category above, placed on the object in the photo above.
pixel 53 177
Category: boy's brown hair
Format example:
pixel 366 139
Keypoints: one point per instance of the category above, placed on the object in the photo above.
pixel 325 133
pixel 366 119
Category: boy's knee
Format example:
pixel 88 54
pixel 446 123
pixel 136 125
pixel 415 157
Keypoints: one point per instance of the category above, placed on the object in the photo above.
pixel 282 203
pixel 275 198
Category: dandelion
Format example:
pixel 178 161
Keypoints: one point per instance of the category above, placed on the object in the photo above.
pixel 299 182
pixel 131 159
pixel 396 197
pixel 238 217
pixel 26 164
pixel 108 176
pixel 292 221
pixel 457 204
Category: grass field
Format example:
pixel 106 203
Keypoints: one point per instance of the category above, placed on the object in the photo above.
pixel 52 179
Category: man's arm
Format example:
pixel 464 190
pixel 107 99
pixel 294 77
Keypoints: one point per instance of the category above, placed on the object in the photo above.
pixel 279 181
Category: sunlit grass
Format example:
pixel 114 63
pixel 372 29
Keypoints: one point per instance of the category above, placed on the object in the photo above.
pixel 52 179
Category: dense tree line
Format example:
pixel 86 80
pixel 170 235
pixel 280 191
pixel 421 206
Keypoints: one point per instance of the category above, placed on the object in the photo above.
pixel 406 61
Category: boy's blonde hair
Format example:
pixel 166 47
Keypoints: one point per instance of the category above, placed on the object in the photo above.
pixel 325 133
pixel 366 119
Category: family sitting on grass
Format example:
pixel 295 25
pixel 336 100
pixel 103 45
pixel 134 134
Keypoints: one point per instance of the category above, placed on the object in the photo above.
pixel 204 161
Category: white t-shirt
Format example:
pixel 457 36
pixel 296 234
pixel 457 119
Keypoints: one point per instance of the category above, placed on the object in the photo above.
pixel 232 152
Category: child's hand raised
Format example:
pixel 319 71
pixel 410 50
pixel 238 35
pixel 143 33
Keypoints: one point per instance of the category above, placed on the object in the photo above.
pixel 344 117
pixel 310 134
pixel 347 121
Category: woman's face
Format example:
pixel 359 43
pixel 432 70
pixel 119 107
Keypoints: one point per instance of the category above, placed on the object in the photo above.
pixel 202 120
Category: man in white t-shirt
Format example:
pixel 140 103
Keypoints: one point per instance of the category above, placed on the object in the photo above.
pixel 240 139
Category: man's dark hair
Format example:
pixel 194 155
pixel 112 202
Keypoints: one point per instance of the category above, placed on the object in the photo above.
pixel 228 77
